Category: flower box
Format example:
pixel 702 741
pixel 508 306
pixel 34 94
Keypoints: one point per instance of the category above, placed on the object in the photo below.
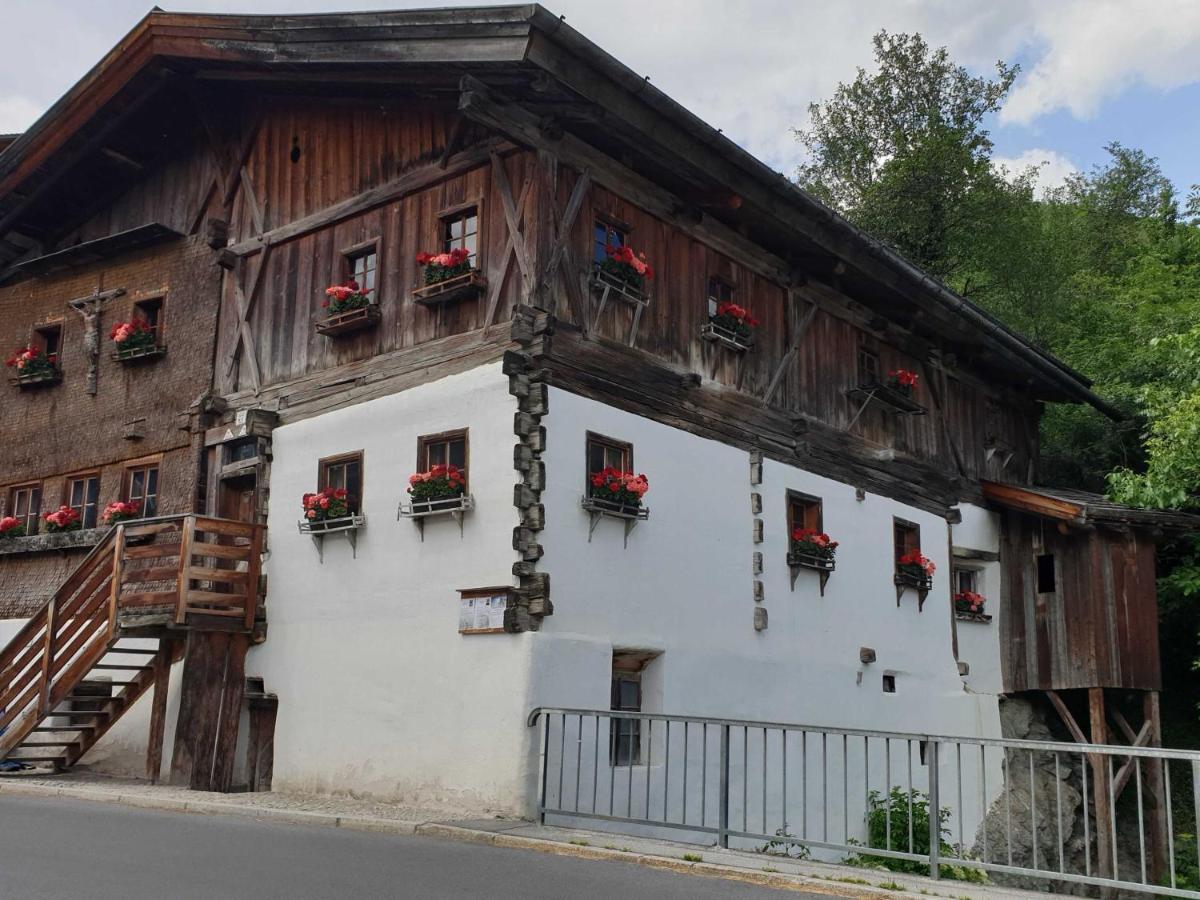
pixel 714 333
pixel 358 319
pixel 420 510
pixel 32 367
pixel 982 618
pixel 38 379
pixel 898 401
pixel 968 607
pixel 803 560
pixel 605 282
pixel 461 287
pixel 908 579
pixel 133 355
pixel 616 508
pixel 327 526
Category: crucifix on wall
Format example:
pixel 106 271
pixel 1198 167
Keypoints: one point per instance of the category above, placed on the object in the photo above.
pixel 89 308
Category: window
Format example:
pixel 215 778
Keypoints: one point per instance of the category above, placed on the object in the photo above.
pixel 83 496
pixel 907 537
pixel 447 448
pixel 48 339
pixel 966 580
pixel 141 485
pixel 461 229
pixel 868 365
pixel 625 735
pixel 719 291
pixel 889 684
pixel 607 235
pixel 804 512
pixel 1046 580
pixel 343 472
pixel 150 311
pixel 25 504
pixel 362 264
pixel 603 452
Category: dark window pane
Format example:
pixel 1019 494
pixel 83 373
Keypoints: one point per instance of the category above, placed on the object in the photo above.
pixel 1045 574
pixel 458 453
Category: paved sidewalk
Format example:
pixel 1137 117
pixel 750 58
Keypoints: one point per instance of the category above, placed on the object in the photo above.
pixel 349 813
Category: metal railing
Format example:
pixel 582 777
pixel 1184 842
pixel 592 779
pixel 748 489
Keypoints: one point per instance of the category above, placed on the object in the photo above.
pixel 1083 813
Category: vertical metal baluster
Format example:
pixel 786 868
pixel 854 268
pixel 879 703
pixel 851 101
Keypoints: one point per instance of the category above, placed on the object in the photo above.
pixel 845 791
pixel 1032 811
pixel 667 774
pixel 1170 823
pixel 1196 799
pixel 1112 815
pixel 704 774
pixel 595 761
pixel 562 754
pixel 1008 804
pixel 961 815
pixel 824 786
pixel 629 773
pixel 983 795
pixel 866 780
pixel 723 797
pixel 545 766
pixel 1137 777
pixel 887 793
pixel 783 812
pixel 745 777
pixel 1058 811
pixel 649 760
pixel 685 771
pixel 908 758
pixel 804 784
pixel 764 782
pixel 1087 839
pixel 614 741
pixel 578 759
pixel 935 820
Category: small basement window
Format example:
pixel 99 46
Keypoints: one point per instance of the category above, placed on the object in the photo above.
pixel 889 684
pixel 83 496
pixel 603 452
pixel 461 230
pixel 625 735
pixel 607 234
pixel 141 487
pixel 362 264
pixel 344 471
pixel 446 449
pixel 1047 582
pixel 150 311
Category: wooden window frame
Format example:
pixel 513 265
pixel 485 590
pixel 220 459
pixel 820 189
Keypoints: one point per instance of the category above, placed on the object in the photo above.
pixel 70 481
pixel 975 574
pixel 160 326
pixel 449 213
pixel 592 437
pixel 610 223
pixel 866 350
pixel 37 338
pixel 631 674
pixel 32 516
pixel 127 484
pixel 444 437
pixel 808 501
pixel 358 251
pixel 713 299
pixel 910 528
pixel 353 504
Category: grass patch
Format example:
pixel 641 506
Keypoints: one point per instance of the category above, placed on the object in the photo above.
pixel 579 842
pixel 890 886
pixel 693 857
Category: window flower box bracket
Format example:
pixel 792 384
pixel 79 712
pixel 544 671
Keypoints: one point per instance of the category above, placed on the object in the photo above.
pixel 608 286
pixel 319 529
pixel 981 618
pixel 358 319
pixel 598 509
pixel 460 287
pixel 710 331
pixel 822 566
pixel 898 402
pixel 922 584
pixel 420 510
pixel 140 354
pixel 44 379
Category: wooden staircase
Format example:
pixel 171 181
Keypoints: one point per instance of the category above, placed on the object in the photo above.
pixel 148 579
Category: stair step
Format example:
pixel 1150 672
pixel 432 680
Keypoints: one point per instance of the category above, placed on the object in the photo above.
pixel 147 652
pixel 113 667
pixel 65 727
pixel 28 759
pixel 76 713
pixel 25 745
pixel 111 684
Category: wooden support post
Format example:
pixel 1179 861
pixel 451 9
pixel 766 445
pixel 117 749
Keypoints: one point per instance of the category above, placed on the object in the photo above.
pixel 158 710
pixel 48 657
pixel 118 573
pixel 1158 800
pixel 1101 807
pixel 210 707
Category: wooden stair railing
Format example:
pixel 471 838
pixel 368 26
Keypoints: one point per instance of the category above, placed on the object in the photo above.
pixel 189 572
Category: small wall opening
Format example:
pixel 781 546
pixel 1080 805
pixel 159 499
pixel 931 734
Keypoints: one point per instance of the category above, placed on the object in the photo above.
pixel 1045 573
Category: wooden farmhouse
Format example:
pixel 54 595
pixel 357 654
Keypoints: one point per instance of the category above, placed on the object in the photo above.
pixel 463 276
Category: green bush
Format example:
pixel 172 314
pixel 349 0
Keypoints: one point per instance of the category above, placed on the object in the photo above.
pixel 897 806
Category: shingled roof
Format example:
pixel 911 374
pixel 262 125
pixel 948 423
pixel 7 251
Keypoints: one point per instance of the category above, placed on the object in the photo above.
pixel 1084 508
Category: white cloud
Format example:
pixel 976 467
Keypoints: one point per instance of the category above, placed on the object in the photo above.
pixel 17 113
pixel 1095 49
pixel 1053 167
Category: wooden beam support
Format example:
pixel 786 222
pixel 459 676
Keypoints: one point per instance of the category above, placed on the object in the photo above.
pixel 1067 718
pixel 798 330
pixel 158 711
pixel 1101 799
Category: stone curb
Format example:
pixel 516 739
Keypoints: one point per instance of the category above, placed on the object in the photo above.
pixel 793 881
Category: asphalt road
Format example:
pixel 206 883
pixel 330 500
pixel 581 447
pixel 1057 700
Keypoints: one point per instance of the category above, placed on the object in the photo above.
pixel 56 848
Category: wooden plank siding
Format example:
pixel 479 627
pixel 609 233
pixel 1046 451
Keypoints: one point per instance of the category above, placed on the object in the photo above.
pixel 1099 628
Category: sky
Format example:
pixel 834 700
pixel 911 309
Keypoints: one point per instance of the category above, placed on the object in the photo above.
pixel 1092 71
